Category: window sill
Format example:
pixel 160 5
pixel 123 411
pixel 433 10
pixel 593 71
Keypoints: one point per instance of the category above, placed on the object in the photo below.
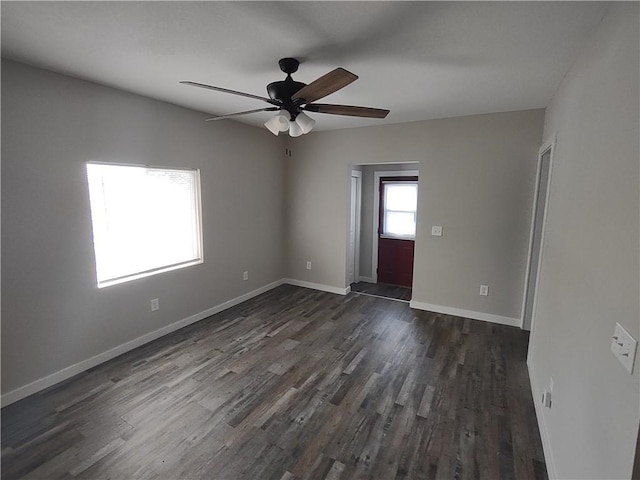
pixel 397 237
pixel 136 276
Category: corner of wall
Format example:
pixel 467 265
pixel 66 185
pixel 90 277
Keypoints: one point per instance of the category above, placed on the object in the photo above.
pixel 540 419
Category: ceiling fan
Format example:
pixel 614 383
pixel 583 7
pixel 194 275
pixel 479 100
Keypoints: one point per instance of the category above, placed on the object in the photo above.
pixel 291 99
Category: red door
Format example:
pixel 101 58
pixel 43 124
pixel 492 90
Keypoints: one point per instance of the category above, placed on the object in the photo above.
pixel 396 231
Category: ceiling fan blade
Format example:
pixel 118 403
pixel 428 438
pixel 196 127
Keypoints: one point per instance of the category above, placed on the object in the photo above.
pixel 233 92
pixel 222 117
pixel 325 85
pixel 348 110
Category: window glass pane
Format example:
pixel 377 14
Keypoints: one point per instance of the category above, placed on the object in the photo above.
pixel 400 223
pixel 143 218
pixel 401 197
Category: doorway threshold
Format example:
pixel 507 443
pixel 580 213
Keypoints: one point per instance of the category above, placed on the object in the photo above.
pixel 390 292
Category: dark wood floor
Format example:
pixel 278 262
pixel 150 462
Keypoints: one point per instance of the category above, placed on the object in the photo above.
pixel 292 384
pixel 383 290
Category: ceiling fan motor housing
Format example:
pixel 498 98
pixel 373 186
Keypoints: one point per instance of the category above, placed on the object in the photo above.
pixel 283 90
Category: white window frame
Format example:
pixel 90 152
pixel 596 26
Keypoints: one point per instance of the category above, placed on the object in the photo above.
pixel 198 223
pixel 385 209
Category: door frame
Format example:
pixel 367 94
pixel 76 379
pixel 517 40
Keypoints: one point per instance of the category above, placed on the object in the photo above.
pixel 356 249
pixel 549 146
pixel 377 175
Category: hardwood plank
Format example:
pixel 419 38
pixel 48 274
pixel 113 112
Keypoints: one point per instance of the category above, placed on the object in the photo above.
pixel 425 403
pixel 336 471
pixel 103 452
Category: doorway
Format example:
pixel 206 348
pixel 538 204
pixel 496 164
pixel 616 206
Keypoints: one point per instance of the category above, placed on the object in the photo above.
pixel 545 158
pixel 366 280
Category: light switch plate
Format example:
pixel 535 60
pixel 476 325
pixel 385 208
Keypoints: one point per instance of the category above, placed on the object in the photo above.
pixel 624 346
pixel 436 231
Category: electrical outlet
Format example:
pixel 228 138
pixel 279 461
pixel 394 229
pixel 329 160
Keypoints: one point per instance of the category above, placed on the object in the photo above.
pixel 623 346
pixel 308 265
pixel 484 290
pixel 245 275
pixel 436 231
pixel 155 304
pixel 546 399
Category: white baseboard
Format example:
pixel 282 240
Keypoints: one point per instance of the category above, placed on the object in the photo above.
pixel 366 279
pixel 317 286
pixel 542 426
pixel 68 372
pixel 459 312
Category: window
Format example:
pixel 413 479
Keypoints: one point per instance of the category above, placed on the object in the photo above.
pixel 146 220
pixel 400 204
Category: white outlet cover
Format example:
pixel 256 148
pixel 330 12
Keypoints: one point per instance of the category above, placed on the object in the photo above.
pixel 436 231
pixel 624 347
pixel 484 290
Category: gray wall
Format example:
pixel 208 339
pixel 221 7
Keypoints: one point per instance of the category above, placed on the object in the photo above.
pixel 53 316
pixel 589 270
pixel 368 215
pixel 477 179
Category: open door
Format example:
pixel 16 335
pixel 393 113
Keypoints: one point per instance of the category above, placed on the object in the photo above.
pixel 397 229
pixel 545 158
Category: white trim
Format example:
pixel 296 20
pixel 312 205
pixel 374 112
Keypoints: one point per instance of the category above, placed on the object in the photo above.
pixel 548 146
pixel 366 279
pixel 68 372
pixel 317 286
pixel 542 426
pixel 358 222
pixel 377 174
pixel 358 214
pixel 459 312
pixel 150 273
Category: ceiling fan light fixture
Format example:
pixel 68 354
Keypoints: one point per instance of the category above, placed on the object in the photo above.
pixel 305 121
pixel 278 123
pixel 295 130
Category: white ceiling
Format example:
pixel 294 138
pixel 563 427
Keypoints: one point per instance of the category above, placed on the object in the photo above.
pixel 421 60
